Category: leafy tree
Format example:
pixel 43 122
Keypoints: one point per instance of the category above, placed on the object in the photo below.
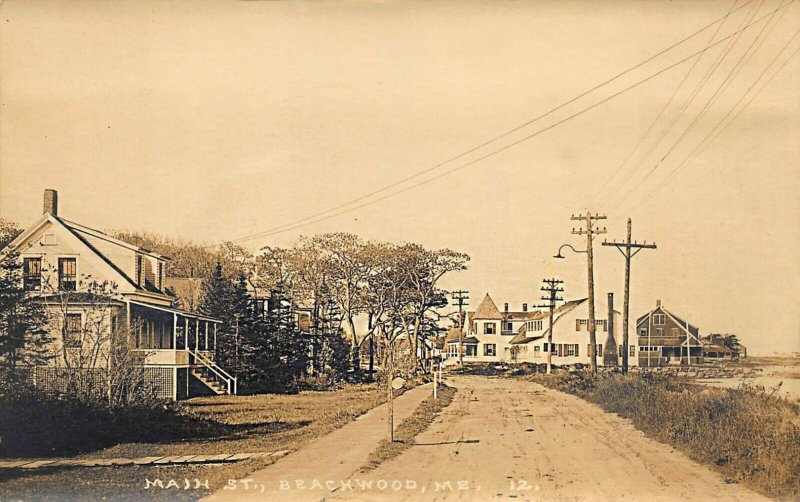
pixel 24 338
pixel 8 232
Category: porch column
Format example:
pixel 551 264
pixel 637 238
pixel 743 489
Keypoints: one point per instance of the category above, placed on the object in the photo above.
pixel 175 338
pixel 215 340
pixel 206 323
pixel 186 332
pixel 197 334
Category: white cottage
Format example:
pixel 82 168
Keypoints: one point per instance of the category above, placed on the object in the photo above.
pixel 521 336
pixel 67 264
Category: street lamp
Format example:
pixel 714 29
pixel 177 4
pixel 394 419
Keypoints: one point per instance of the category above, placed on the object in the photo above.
pixel 560 256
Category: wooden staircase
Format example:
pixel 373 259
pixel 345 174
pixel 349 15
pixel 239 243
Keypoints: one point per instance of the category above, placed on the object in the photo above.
pixel 212 376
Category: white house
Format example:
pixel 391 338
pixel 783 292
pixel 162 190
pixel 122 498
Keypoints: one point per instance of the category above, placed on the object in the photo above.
pixel 521 336
pixel 65 264
pixel 489 332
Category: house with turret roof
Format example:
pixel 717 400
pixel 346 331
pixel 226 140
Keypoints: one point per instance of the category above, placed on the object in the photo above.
pixel 492 335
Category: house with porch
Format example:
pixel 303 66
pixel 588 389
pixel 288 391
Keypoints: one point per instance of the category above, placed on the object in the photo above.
pixel 666 339
pixel 97 288
pixel 521 336
pixel 488 332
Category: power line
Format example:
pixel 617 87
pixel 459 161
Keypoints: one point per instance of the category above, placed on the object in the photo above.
pixel 717 93
pixel 614 194
pixel 716 131
pixel 503 135
pixel 661 112
pixel 289 227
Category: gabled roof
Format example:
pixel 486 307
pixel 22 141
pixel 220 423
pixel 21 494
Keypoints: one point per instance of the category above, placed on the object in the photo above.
pixel 530 315
pixel 559 312
pixel 680 322
pixel 453 334
pixel 78 232
pixel 101 235
pixel 487 310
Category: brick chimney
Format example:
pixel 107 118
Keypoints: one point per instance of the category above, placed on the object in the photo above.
pixel 505 307
pixel 524 307
pixel 658 303
pixel 51 202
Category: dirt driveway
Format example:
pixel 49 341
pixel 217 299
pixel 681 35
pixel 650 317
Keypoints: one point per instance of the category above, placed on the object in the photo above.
pixel 509 439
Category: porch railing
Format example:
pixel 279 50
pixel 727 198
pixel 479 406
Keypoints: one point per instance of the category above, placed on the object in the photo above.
pixel 224 376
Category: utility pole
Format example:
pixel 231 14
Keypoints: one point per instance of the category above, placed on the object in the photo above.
pixel 629 250
pixel 553 287
pixel 460 298
pixel 589 231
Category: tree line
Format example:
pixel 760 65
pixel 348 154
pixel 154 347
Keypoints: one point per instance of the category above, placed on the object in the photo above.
pixel 290 314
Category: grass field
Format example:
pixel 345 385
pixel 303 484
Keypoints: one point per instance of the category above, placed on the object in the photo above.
pixel 749 436
pixel 253 424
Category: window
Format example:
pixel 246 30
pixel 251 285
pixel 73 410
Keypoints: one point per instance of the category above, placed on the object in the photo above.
pixel 659 331
pixel 643 332
pixel 471 350
pixel 579 323
pixel 160 278
pixel 67 274
pixel 632 350
pixel 49 240
pixel 675 332
pixel 32 270
pixel 659 319
pixel 72 330
pixel 139 272
pixel 489 328
pixel 601 324
pixel 489 349
pixel 599 349
pixel 537 350
pixel 571 349
pixel 509 326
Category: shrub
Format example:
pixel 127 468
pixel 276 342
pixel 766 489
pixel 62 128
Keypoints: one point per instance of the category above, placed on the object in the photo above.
pixel 39 424
pixel 746 434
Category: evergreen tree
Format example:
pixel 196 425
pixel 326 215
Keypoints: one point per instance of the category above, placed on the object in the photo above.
pixel 276 352
pixel 331 350
pixel 228 302
pixel 24 339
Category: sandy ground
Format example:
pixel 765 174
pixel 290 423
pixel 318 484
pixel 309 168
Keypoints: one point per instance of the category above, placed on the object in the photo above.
pixel 510 439
pixel 337 456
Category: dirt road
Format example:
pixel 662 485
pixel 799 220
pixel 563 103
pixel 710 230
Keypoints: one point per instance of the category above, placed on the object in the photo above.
pixel 508 439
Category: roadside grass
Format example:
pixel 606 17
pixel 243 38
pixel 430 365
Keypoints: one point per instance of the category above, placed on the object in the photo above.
pixel 267 422
pixel 410 428
pixel 749 436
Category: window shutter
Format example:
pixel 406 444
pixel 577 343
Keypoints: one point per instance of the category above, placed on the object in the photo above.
pixel 577 352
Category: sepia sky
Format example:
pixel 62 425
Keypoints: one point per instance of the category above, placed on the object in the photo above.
pixel 217 120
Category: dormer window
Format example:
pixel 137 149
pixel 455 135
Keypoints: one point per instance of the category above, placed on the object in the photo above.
pixel 139 270
pixel 67 274
pixel 160 278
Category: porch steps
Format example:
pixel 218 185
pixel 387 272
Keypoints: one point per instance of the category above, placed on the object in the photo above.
pixel 143 461
pixel 216 387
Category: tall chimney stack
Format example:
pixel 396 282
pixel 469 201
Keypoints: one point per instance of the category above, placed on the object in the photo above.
pixel 505 307
pixel 524 307
pixel 610 350
pixel 51 202
pixel 658 303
